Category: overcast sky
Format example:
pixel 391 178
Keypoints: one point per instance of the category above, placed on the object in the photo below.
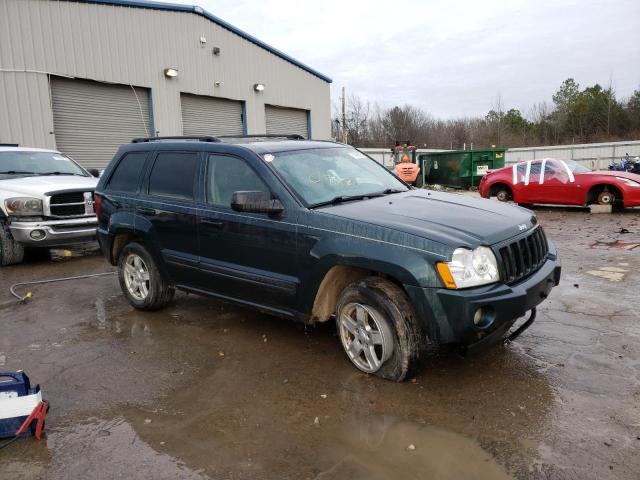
pixel 450 57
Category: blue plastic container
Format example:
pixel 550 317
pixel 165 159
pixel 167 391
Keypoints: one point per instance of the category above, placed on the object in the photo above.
pixel 12 385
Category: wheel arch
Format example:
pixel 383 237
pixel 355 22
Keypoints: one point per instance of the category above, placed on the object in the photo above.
pixel 338 277
pixel 494 188
pixel 595 190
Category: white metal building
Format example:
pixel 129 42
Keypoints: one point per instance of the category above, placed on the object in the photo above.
pixel 85 76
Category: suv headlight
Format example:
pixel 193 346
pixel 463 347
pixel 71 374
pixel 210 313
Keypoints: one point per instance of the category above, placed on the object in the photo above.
pixel 23 206
pixel 469 268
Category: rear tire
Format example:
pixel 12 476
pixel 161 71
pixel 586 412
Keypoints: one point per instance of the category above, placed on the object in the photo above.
pixel 380 331
pixel 140 280
pixel 503 194
pixel 11 252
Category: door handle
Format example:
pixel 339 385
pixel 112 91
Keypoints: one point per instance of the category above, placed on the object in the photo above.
pixel 146 211
pixel 212 223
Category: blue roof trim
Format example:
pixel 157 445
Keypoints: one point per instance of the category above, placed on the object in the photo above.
pixel 174 7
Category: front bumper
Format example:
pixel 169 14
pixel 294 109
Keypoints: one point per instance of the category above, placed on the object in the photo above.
pixel 448 314
pixel 56 232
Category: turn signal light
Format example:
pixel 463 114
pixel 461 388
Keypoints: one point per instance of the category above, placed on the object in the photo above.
pixel 445 275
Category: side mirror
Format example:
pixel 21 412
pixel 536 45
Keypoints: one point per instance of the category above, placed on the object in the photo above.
pixel 94 171
pixel 255 202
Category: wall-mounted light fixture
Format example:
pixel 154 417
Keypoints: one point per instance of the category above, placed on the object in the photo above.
pixel 203 40
pixel 170 72
pixel 259 87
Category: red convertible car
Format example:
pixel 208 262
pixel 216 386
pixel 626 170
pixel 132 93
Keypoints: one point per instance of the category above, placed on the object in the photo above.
pixel 561 182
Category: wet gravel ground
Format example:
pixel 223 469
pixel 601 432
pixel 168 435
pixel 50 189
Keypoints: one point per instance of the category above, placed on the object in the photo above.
pixel 208 390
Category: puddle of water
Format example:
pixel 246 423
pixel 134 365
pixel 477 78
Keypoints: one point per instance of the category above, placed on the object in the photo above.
pixel 383 448
pixel 80 451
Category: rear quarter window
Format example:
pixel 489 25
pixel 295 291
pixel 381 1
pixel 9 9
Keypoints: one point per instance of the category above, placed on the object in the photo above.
pixel 126 176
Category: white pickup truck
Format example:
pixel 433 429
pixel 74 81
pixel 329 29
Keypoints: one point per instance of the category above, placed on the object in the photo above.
pixel 46 200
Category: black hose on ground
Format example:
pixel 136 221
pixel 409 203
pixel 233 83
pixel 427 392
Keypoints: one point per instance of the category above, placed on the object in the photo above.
pixel 29 295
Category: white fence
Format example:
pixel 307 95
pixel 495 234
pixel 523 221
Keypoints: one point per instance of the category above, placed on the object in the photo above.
pixel 596 156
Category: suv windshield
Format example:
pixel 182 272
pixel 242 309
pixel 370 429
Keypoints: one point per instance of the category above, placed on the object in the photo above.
pixel 24 163
pixel 324 175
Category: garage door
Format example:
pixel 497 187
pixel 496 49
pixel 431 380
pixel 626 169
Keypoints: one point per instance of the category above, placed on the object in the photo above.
pixel 92 119
pixel 283 121
pixel 203 115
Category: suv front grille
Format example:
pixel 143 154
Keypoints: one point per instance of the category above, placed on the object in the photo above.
pixel 524 256
pixel 70 204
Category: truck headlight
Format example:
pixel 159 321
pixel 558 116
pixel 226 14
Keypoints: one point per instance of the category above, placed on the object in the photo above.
pixel 23 206
pixel 469 268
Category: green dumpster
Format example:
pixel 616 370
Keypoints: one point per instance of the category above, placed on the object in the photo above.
pixel 459 168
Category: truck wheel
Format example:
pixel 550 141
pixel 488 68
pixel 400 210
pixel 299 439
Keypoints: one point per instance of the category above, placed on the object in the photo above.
pixel 141 281
pixel 11 252
pixel 379 329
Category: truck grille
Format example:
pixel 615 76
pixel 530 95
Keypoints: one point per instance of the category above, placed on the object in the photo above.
pixel 524 256
pixel 71 204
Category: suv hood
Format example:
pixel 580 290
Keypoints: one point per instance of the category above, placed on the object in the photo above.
pixel 449 218
pixel 40 185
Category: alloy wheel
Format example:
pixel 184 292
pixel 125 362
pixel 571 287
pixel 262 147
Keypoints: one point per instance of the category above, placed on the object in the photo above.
pixel 136 276
pixel 366 336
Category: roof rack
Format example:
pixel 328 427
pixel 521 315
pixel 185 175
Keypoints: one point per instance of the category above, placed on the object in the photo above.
pixel 292 136
pixel 179 137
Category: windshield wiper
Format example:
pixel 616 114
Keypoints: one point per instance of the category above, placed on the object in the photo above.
pixel 16 172
pixel 60 173
pixel 345 198
pixel 389 191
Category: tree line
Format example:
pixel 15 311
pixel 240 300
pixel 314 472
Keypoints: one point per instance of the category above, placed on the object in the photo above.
pixel 591 114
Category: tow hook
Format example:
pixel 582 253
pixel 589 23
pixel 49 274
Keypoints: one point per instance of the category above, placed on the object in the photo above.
pixel 523 327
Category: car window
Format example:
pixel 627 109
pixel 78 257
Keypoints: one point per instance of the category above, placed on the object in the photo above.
pixel 127 173
pixel 535 169
pixel 554 170
pixel 173 175
pixel 226 175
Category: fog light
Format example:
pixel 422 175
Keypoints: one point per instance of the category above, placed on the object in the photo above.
pixel 38 234
pixel 484 316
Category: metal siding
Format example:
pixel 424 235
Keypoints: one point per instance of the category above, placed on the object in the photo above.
pixel 127 45
pixel 91 120
pixel 25 112
pixel 281 121
pixel 211 116
pixel 593 155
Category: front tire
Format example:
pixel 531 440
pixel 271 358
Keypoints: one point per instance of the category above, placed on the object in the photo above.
pixel 11 252
pixel 606 198
pixel 380 331
pixel 140 280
